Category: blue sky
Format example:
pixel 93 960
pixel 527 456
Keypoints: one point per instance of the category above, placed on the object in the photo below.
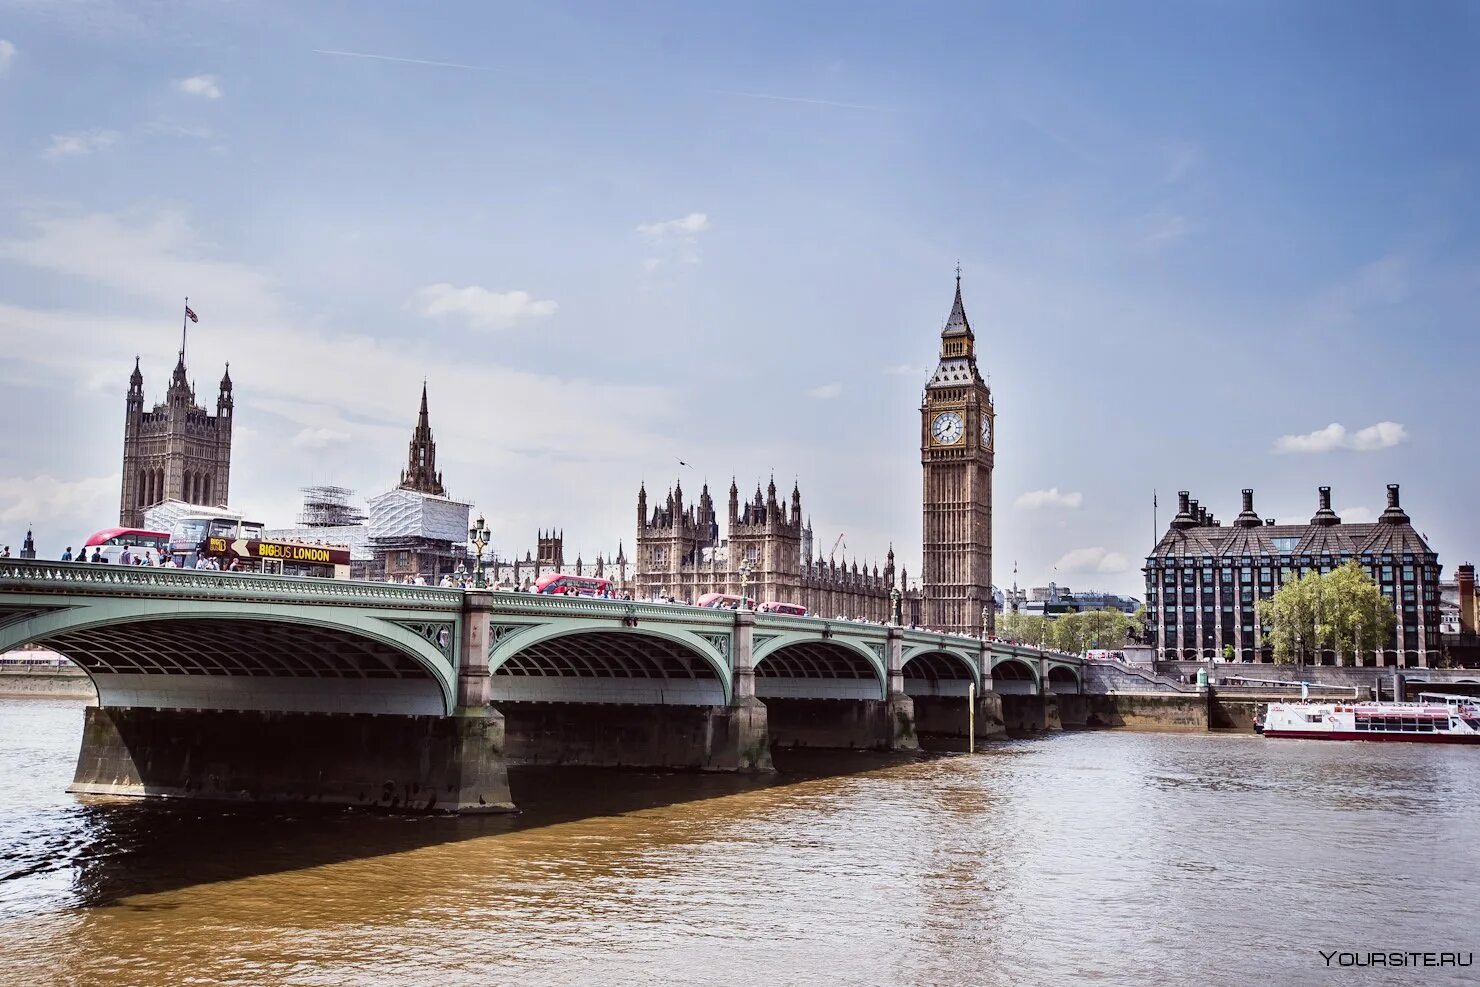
pixel 1193 238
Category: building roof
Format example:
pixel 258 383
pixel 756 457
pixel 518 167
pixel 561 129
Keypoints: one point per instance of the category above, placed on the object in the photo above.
pixel 956 324
pixel 1192 537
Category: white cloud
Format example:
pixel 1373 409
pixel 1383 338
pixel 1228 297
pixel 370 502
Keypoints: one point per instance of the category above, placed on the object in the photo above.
pixel 677 238
pixel 1095 559
pixel 554 443
pixel 319 438
pixel 826 392
pixel 1383 435
pixel 1035 499
pixel 687 226
pixel 1357 515
pixel 199 85
pixel 906 370
pixel 7 52
pixel 483 308
pixel 79 143
pixel 58 510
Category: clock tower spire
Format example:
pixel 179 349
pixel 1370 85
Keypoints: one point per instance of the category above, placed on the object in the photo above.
pixel 957 451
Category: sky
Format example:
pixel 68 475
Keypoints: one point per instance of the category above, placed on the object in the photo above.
pixel 1203 246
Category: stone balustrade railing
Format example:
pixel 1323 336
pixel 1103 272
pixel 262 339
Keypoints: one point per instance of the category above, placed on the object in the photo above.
pixel 33 576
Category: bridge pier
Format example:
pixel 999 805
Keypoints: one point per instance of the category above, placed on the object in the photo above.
pixel 432 763
pixel 886 724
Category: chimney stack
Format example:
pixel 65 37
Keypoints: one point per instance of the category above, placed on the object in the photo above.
pixel 1269 522
pixel 1184 518
pixel 1325 517
pixel 1246 517
pixel 1394 514
pixel 1465 577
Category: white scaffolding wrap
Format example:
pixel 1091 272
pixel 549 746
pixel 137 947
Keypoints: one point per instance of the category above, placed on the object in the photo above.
pixel 162 516
pixel 408 514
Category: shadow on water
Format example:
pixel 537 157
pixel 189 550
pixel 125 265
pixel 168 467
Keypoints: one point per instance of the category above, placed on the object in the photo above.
pixel 125 847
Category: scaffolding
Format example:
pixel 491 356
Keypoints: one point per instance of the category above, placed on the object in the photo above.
pixel 329 507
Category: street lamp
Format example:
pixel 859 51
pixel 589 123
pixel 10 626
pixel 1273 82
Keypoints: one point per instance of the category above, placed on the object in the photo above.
pixel 744 584
pixel 478 534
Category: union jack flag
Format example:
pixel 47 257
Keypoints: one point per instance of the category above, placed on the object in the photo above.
pixel 190 314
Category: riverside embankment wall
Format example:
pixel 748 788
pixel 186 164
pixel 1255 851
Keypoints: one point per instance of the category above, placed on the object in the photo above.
pixel 46 681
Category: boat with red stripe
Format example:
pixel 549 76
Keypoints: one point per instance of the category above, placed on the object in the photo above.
pixel 1435 719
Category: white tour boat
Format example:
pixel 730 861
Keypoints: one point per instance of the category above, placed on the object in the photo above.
pixel 1434 719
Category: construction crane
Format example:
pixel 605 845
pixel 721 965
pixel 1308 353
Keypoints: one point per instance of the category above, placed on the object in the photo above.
pixel 831 555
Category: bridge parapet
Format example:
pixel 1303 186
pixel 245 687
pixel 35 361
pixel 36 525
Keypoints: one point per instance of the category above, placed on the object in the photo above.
pixel 86 579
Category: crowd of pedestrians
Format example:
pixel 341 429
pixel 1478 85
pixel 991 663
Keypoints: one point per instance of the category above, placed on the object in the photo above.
pixel 138 555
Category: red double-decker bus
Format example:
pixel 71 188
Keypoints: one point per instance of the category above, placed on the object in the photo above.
pixel 564 584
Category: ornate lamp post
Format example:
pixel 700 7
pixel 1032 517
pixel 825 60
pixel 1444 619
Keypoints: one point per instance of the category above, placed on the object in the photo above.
pixel 478 534
pixel 744 585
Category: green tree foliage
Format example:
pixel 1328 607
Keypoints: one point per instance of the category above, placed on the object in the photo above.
pixel 1071 632
pixel 1025 628
pixel 1341 611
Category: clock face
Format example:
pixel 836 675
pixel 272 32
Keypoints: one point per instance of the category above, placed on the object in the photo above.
pixel 986 431
pixel 947 428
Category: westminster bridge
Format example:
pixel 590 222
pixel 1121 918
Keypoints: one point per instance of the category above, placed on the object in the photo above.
pixel 229 685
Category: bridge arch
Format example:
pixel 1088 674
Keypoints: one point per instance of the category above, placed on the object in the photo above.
pixel 225 655
pixel 613 663
pixel 1062 678
pixel 799 665
pixel 934 670
pixel 1012 675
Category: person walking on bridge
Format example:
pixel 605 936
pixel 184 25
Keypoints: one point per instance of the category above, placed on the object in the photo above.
pixel 67 555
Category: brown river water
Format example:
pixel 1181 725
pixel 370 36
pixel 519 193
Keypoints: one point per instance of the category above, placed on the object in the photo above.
pixel 1109 857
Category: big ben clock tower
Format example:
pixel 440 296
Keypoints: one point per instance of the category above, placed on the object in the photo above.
pixel 957 442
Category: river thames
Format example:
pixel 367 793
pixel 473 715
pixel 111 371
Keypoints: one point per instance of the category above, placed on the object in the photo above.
pixel 1112 857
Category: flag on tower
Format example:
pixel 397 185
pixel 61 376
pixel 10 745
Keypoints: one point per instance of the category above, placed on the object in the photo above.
pixel 190 314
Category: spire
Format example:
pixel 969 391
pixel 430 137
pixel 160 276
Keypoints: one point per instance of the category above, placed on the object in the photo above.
pixel 136 385
pixel 224 400
pixel 956 324
pixel 421 458
pixel 180 391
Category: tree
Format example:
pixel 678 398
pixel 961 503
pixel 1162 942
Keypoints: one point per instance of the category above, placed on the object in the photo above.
pixel 1341 611
pixel 1025 628
pixel 1070 632
pixel 1106 629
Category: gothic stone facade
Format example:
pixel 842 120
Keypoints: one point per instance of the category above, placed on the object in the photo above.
pixel 957 451
pixel 680 554
pixel 401 557
pixel 1203 579
pixel 178 451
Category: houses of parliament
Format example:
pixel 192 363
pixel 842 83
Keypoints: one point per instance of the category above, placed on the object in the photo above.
pixel 181 452
pixel 680 552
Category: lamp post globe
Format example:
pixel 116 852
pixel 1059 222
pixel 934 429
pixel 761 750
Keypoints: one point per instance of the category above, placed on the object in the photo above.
pixel 478 535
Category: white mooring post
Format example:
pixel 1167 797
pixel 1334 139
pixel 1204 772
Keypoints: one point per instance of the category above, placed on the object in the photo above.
pixel 971 717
